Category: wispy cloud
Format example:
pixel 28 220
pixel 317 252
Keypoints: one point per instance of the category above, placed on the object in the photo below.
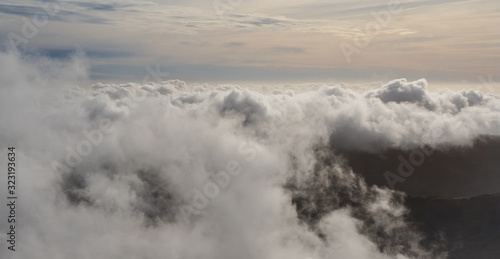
pixel 191 33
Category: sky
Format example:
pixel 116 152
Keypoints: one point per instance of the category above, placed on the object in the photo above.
pixel 135 136
pixel 447 42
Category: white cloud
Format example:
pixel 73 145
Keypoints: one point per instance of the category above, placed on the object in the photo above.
pixel 123 198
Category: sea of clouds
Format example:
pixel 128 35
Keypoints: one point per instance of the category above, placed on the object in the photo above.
pixel 171 170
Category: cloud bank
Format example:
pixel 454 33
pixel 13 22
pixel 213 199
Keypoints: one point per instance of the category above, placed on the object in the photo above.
pixel 170 170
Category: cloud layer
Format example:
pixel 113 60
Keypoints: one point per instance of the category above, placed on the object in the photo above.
pixel 193 37
pixel 170 170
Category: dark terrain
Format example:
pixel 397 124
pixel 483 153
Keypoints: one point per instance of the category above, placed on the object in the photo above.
pixel 453 195
pixel 469 227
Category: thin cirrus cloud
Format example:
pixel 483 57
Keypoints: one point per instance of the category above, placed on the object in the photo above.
pixel 456 38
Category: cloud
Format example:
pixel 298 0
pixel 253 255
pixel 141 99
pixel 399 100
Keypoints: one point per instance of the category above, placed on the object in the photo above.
pixel 19 9
pixel 94 54
pixel 30 11
pixel 288 50
pixel 64 14
pixel 323 24
pixel 97 6
pixel 234 44
pixel 110 171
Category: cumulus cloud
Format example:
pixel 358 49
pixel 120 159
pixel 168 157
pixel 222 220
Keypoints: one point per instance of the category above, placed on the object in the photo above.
pixel 171 170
